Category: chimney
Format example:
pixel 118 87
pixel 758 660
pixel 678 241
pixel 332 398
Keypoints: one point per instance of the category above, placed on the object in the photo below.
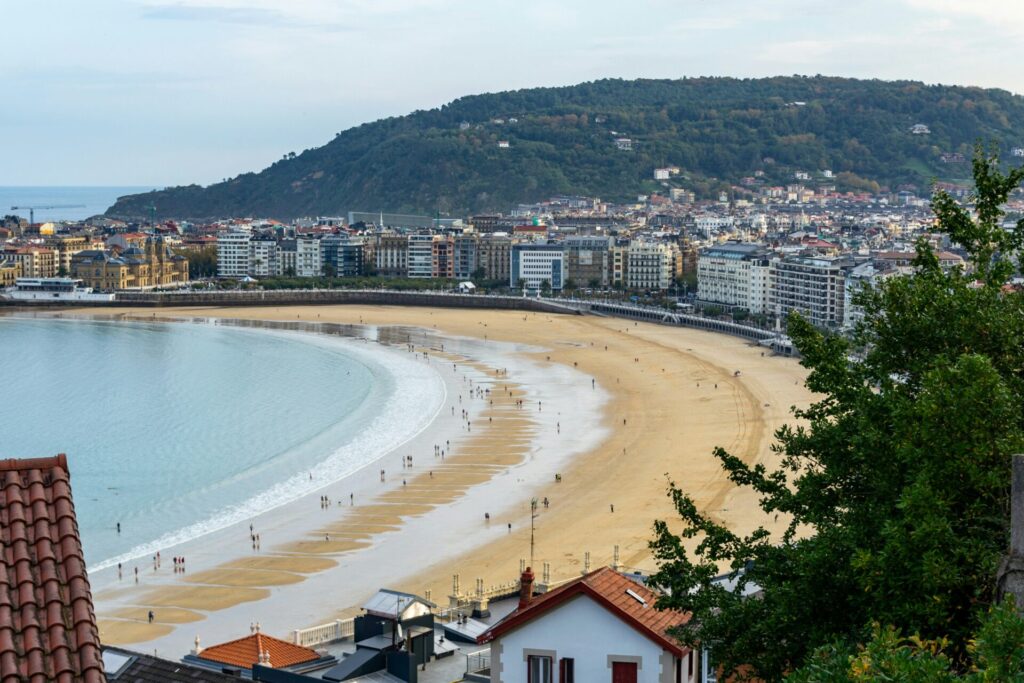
pixel 525 588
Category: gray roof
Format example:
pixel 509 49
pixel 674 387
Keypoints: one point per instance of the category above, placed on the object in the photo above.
pixel 125 666
pixel 391 604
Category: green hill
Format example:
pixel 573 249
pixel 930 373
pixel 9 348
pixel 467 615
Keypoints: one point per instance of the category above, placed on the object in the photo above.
pixel 561 140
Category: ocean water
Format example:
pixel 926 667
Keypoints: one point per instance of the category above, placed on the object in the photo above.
pixel 177 429
pixel 94 200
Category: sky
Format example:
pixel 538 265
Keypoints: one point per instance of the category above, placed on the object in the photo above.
pixel 168 92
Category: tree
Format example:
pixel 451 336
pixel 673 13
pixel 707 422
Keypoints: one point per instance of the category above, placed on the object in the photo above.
pixel 545 286
pixel 895 494
pixel 997 650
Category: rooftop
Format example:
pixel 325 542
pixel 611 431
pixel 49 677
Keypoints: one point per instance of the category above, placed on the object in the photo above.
pixel 625 598
pixel 47 625
pixel 245 652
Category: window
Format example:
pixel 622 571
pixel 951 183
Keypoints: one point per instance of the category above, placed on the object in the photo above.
pixel 538 669
pixel 567 670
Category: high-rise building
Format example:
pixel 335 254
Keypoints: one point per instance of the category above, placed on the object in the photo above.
pixel 392 256
pixel 233 253
pixel 811 285
pixel 421 255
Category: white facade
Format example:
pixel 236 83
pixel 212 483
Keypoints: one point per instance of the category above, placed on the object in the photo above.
pixel 420 256
pixel 264 259
pixel 649 266
pixel 532 265
pixel 308 258
pixel 709 225
pixel 233 253
pixel 735 275
pixel 593 638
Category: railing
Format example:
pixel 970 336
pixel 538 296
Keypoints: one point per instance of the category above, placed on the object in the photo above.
pixel 340 629
pixel 478 661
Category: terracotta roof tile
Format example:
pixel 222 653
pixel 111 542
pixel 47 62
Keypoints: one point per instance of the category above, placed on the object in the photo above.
pixel 245 652
pixel 609 588
pixel 47 624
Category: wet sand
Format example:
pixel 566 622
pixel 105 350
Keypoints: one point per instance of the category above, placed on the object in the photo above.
pixel 673 396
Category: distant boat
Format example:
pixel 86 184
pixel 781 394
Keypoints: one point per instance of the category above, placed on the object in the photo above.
pixel 52 289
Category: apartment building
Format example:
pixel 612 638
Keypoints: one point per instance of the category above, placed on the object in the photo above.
pixel 734 274
pixel 35 261
pixel 442 257
pixel 308 256
pixel 811 285
pixel 233 253
pixel 495 253
pixel 420 260
pixel 341 256
pixel 392 256
pixel 587 259
pixel 264 256
pixel 467 255
pixel 649 266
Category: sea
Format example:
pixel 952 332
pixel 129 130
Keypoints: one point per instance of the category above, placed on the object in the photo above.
pixel 175 430
pixel 93 200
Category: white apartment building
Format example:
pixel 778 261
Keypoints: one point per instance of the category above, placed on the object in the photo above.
pixel 649 266
pixel 420 257
pixel 264 257
pixel 734 274
pixel 308 257
pixel 233 253
pixel 811 285
pixel 534 264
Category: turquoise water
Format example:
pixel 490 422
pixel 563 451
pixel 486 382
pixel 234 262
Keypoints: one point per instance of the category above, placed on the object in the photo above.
pixel 94 200
pixel 177 429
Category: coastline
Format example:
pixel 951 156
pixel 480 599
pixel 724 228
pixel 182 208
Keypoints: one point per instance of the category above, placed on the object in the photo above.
pixel 441 532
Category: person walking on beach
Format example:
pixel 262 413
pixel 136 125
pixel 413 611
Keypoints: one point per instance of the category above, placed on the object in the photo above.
pixel 351 499
pixel 119 527
pixel 612 506
pixel 118 571
pixel 151 616
pixel 510 527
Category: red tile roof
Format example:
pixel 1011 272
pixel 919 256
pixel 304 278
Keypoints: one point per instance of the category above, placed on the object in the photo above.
pixel 608 588
pixel 245 652
pixel 47 625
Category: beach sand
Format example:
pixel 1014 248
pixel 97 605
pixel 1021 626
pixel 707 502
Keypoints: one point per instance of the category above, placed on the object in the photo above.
pixel 674 396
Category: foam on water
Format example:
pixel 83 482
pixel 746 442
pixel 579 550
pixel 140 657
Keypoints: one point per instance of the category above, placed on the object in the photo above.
pixel 415 396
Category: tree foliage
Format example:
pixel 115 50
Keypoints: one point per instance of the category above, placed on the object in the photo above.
pixel 717 130
pixel 894 486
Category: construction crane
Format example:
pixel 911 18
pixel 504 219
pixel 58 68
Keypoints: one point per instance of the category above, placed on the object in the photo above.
pixel 32 209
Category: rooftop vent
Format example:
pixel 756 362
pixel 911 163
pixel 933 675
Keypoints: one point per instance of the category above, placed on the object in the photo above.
pixel 632 594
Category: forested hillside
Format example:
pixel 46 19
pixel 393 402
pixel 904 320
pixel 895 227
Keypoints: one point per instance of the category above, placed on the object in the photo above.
pixel 562 140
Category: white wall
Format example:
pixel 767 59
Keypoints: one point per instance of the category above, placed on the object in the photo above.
pixel 585 631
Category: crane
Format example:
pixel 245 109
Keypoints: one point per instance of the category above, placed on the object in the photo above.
pixel 32 209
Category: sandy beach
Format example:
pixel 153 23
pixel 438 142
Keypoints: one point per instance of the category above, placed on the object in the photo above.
pixel 614 407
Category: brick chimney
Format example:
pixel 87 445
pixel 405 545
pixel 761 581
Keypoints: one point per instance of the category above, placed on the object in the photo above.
pixel 525 588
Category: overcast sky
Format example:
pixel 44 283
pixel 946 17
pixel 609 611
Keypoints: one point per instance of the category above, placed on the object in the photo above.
pixel 163 92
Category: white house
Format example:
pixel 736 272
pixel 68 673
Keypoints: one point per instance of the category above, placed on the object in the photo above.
pixel 602 627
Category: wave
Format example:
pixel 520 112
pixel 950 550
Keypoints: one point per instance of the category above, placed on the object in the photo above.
pixel 418 395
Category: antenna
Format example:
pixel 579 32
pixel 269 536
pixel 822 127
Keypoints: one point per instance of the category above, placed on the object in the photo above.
pixel 533 516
